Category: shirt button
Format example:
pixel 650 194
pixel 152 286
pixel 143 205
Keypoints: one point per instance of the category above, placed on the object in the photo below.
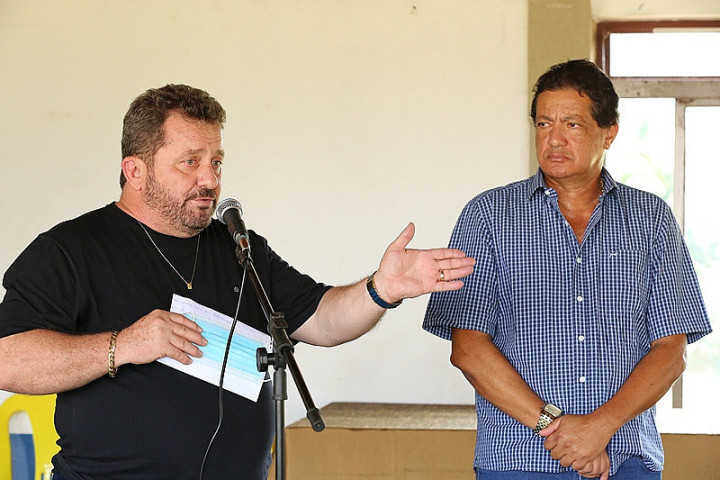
pixel 547 192
pixel 578 260
pixel 581 338
pixel 582 379
pixel 579 298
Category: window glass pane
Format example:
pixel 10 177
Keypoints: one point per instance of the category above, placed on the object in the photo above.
pixel 665 54
pixel 702 233
pixel 642 156
pixel 643 153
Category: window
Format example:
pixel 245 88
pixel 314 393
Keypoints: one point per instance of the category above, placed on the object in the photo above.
pixel 668 77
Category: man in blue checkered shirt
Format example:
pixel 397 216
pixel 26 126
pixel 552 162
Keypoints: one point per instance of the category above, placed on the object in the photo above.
pixel 583 300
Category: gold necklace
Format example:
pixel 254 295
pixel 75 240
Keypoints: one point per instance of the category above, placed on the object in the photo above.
pixel 197 249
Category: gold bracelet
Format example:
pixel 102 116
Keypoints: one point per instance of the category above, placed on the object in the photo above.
pixel 112 371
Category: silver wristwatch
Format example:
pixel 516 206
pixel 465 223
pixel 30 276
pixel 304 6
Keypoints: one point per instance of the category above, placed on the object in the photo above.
pixel 548 413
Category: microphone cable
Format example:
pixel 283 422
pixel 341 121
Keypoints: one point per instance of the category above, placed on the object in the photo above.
pixel 222 375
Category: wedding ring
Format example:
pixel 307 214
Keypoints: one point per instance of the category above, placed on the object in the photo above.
pixel 442 276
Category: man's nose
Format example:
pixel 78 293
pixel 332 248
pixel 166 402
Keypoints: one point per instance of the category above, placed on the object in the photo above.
pixel 208 176
pixel 556 136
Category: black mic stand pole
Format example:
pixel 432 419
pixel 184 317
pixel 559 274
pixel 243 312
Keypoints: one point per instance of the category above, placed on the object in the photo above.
pixel 281 358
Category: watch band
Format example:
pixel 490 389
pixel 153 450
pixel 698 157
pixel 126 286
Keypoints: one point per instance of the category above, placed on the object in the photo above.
pixel 548 413
pixel 374 295
pixel 543 422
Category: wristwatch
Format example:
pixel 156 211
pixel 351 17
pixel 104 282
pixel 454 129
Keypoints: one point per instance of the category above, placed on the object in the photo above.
pixel 548 413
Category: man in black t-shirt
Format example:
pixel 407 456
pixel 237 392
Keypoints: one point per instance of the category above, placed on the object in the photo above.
pixel 86 313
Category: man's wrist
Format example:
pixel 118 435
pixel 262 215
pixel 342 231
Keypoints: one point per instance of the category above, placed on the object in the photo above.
pixel 604 423
pixel 379 300
pixel 112 368
pixel 548 414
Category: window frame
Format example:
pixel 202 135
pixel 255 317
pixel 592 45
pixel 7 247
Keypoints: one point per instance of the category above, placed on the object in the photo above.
pixel 687 91
pixel 603 31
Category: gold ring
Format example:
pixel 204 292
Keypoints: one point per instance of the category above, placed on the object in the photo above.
pixel 442 276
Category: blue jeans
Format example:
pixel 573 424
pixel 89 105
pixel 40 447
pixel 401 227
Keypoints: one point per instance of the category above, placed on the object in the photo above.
pixel 632 469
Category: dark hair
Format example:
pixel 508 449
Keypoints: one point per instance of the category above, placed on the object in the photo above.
pixel 585 77
pixel 143 133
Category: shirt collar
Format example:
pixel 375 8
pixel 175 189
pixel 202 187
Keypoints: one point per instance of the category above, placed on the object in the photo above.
pixel 537 182
pixel 608 180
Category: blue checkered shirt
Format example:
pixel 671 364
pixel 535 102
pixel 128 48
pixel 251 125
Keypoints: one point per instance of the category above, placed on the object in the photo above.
pixel 573 318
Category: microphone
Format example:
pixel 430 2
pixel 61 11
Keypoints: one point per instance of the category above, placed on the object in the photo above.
pixel 229 212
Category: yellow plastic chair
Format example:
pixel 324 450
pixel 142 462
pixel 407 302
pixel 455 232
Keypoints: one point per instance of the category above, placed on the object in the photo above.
pixel 40 409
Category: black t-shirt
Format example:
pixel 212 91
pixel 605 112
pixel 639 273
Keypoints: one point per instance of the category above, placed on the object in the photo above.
pixel 100 272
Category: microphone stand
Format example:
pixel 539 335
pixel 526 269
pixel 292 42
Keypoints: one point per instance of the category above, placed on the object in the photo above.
pixel 280 359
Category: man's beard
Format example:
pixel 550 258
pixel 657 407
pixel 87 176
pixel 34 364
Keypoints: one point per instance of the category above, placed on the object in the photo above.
pixel 177 212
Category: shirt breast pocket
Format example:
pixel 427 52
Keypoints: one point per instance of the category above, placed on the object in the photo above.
pixel 623 284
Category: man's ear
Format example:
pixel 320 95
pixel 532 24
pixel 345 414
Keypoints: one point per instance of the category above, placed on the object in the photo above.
pixel 135 171
pixel 612 132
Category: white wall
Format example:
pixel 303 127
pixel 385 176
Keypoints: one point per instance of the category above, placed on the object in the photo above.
pixel 347 119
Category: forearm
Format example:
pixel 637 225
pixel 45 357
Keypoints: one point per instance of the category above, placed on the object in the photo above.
pixel 44 361
pixel 494 377
pixel 346 313
pixel 577 439
pixel 651 378
pixel 343 314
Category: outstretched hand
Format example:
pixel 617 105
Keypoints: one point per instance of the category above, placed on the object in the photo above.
pixel 408 273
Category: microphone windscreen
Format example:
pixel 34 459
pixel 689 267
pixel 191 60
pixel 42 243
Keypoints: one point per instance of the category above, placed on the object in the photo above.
pixel 223 207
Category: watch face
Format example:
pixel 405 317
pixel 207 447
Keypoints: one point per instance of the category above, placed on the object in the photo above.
pixel 552 410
